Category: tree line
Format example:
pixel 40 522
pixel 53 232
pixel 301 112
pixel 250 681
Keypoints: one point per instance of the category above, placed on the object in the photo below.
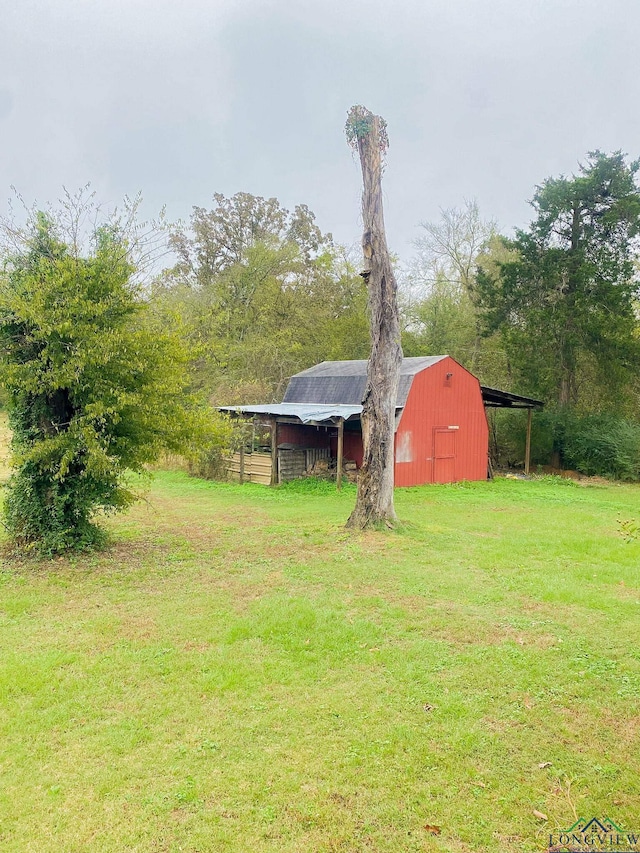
pixel 103 368
pixel 551 312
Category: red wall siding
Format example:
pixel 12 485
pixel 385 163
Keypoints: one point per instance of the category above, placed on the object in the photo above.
pixel 304 435
pixel 353 446
pixel 435 403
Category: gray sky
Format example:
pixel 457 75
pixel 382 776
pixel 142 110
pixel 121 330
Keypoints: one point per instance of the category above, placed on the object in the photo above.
pixel 483 99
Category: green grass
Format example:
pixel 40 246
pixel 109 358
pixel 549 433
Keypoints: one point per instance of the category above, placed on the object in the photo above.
pixel 239 673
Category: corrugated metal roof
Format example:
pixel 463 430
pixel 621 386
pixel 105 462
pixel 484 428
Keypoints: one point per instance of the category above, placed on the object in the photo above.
pixel 497 399
pixel 344 382
pixel 306 412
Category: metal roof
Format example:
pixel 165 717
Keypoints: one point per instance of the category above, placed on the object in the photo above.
pixel 305 412
pixel 344 382
pixel 334 389
pixel 494 398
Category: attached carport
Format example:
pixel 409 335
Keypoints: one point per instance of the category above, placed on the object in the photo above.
pixel 493 398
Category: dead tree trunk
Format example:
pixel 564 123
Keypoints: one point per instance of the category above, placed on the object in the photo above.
pixel 374 502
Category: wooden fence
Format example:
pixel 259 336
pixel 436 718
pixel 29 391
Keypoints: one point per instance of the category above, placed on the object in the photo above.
pixel 257 468
pixel 292 463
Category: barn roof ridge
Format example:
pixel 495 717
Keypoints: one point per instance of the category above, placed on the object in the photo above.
pixel 358 367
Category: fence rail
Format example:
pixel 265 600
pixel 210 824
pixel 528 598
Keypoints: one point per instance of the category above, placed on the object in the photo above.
pixel 257 468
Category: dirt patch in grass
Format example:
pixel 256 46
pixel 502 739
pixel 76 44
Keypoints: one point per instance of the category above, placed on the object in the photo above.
pixel 624 731
pixel 179 515
pixel 131 555
pixel 627 593
pixel 138 627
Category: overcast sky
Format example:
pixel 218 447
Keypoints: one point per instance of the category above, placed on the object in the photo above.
pixel 178 100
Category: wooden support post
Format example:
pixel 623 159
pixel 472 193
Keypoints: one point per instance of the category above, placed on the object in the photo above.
pixel 274 451
pixel 527 450
pixel 340 453
pixel 242 461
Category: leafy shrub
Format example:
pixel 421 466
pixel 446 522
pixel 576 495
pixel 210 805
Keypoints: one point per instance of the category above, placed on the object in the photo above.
pixel 95 387
pixel 594 444
pixel 604 445
pixel 207 459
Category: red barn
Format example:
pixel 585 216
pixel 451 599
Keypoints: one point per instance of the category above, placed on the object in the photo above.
pixel 442 434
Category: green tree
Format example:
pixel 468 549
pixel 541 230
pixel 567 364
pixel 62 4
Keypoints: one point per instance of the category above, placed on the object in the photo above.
pixel 565 301
pixel 263 294
pixel 218 239
pixel 95 390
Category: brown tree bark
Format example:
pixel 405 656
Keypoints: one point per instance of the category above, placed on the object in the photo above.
pixel 374 502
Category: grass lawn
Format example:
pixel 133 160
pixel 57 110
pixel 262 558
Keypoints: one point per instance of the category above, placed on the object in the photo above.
pixel 238 673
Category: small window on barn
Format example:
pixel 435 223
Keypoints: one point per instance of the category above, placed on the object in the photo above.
pixel 447 380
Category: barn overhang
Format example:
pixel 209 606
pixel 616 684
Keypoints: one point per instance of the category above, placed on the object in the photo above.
pixel 493 398
pixel 306 413
pixel 333 416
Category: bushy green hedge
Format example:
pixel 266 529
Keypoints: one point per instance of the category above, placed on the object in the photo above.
pixel 600 444
pixel 97 386
pixel 593 444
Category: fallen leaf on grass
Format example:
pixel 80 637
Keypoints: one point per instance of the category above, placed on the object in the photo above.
pixel 428 706
pixel 432 830
pixel 540 815
pixel 544 764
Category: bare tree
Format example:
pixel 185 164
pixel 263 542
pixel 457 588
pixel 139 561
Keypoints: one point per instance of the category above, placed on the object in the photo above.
pixel 444 275
pixel 450 248
pixel 367 133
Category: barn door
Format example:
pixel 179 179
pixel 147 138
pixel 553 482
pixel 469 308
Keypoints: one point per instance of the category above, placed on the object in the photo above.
pixel 444 455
